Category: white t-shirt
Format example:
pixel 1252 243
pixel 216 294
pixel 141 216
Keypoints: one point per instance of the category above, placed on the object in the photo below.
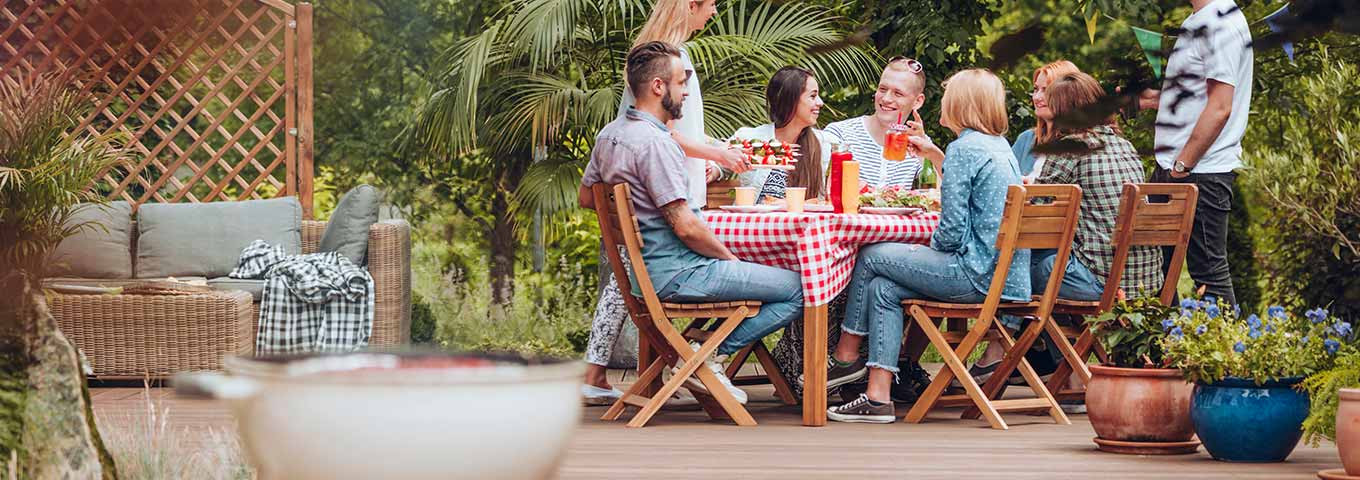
pixel 1216 45
pixel 873 168
pixel 691 125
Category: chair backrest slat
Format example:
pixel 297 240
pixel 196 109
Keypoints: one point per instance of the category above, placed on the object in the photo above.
pixel 618 226
pixel 1152 215
pixel 1036 216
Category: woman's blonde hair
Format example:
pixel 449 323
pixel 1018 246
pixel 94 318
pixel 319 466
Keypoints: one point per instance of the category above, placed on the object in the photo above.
pixel 1072 98
pixel 669 22
pixel 975 99
pixel 1043 129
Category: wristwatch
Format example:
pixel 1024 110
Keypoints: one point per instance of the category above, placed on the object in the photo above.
pixel 1179 167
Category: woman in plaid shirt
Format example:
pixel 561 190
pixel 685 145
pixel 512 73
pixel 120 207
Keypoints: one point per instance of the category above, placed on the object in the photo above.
pixel 1108 162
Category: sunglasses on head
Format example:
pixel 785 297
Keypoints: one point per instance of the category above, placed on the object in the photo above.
pixel 912 64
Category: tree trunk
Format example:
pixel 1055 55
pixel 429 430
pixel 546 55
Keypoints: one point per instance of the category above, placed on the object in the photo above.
pixel 48 423
pixel 502 269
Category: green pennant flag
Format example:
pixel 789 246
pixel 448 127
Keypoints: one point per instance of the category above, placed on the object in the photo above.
pixel 1091 27
pixel 1152 47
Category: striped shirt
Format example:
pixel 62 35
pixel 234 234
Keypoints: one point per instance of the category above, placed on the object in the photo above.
pixel 873 168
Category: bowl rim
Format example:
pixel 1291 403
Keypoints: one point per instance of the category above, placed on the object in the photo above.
pixel 377 369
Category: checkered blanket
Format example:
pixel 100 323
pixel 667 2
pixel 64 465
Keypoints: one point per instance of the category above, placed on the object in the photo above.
pixel 821 247
pixel 318 302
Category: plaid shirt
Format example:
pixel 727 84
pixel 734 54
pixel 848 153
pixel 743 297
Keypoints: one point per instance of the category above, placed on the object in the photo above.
pixel 317 302
pixel 1101 173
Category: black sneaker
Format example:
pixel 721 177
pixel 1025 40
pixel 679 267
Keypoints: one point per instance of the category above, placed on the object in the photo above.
pixel 906 387
pixel 861 410
pixel 841 375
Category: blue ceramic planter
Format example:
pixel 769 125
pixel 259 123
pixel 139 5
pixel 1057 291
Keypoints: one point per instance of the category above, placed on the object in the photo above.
pixel 1240 421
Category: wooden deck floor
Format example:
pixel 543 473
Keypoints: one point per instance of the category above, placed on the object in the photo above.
pixel 687 445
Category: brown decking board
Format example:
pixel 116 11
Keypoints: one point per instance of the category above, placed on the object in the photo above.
pixel 687 445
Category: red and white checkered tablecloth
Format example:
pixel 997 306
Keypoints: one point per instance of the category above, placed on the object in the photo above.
pixel 820 246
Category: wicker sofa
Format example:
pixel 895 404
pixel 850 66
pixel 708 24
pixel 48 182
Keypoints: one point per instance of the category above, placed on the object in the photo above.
pixel 129 335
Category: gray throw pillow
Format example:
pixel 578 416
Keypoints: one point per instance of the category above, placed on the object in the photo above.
pixel 347 230
pixel 206 239
pixel 96 252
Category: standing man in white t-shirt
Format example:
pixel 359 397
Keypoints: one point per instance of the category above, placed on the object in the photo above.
pixel 1201 117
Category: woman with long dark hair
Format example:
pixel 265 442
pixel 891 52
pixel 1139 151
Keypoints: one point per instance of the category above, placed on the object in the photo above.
pixel 793 101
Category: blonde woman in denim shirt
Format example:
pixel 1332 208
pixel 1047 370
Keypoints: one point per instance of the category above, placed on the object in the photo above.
pixel 959 263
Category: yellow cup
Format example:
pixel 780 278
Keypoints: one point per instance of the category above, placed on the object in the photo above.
pixel 793 198
pixel 746 196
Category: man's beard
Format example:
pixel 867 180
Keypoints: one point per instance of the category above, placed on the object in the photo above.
pixel 672 107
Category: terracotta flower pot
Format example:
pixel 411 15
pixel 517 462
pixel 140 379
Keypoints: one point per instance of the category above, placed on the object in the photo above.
pixel 1348 430
pixel 1140 410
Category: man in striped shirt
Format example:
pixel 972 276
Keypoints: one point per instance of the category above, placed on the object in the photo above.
pixel 900 92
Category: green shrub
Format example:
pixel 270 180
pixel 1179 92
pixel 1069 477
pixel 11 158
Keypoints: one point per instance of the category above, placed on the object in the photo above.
pixel 422 321
pixel 1306 170
pixel 1323 390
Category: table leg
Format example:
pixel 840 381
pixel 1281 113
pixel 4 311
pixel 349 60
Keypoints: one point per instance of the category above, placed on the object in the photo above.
pixel 814 366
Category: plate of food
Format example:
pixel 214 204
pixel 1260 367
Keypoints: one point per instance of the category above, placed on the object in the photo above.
pixel 771 154
pixel 893 201
pixel 752 208
pixel 890 210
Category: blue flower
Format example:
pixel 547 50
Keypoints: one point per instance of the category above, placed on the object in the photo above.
pixel 1240 347
pixel 1254 321
pixel 1189 303
pixel 1275 311
pixel 1317 315
pixel 1185 312
pixel 1332 346
pixel 1343 329
pixel 1237 311
pixel 1305 339
pixel 1270 327
pixel 1201 329
pixel 1254 334
pixel 1212 311
pixel 1168 323
pixel 1176 332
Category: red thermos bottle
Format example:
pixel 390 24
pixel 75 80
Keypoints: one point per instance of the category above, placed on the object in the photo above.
pixel 839 155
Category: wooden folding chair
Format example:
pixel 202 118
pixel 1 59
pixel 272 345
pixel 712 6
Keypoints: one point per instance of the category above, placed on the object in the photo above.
pixel 1150 214
pixel 701 328
pixel 618 226
pixel 1036 217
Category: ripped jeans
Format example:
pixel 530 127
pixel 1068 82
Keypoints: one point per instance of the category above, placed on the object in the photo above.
pixel 887 273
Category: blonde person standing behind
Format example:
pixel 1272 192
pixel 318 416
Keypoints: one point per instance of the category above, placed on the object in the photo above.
pixel 672 22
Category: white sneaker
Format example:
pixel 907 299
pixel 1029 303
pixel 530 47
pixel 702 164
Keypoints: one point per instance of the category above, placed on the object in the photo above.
pixel 714 363
pixel 595 396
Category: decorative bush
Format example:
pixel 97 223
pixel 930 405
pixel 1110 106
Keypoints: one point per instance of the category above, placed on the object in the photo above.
pixel 1210 342
pixel 1323 389
pixel 1132 332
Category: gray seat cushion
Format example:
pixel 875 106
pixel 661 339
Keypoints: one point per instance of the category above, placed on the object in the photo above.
pixel 347 230
pixel 254 287
pixel 96 252
pixel 206 239
pixel 58 282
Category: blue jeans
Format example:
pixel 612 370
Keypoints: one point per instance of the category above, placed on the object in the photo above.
pixel 780 291
pixel 1078 282
pixel 885 275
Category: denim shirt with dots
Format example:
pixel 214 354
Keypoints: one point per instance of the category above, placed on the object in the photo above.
pixel 978 169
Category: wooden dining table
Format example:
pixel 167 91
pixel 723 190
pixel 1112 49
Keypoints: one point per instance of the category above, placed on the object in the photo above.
pixel 822 248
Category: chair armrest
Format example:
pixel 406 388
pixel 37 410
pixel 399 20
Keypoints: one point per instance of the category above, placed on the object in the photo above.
pixel 389 262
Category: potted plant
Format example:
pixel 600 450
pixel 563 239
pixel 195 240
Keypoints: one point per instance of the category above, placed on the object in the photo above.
pixel 1335 411
pixel 1247 406
pixel 1134 402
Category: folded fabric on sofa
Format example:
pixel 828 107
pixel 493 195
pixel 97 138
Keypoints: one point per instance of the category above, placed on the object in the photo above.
pixel 318 302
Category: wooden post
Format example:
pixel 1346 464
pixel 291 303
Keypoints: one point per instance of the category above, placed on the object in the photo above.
pixel 305 137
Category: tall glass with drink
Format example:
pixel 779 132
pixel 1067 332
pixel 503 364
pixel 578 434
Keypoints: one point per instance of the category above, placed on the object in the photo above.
pixel 895 143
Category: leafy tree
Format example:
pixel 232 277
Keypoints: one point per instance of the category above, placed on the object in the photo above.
pixel 515 107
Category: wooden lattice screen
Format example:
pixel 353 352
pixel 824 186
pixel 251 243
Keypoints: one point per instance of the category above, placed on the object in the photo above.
pixel 215 105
